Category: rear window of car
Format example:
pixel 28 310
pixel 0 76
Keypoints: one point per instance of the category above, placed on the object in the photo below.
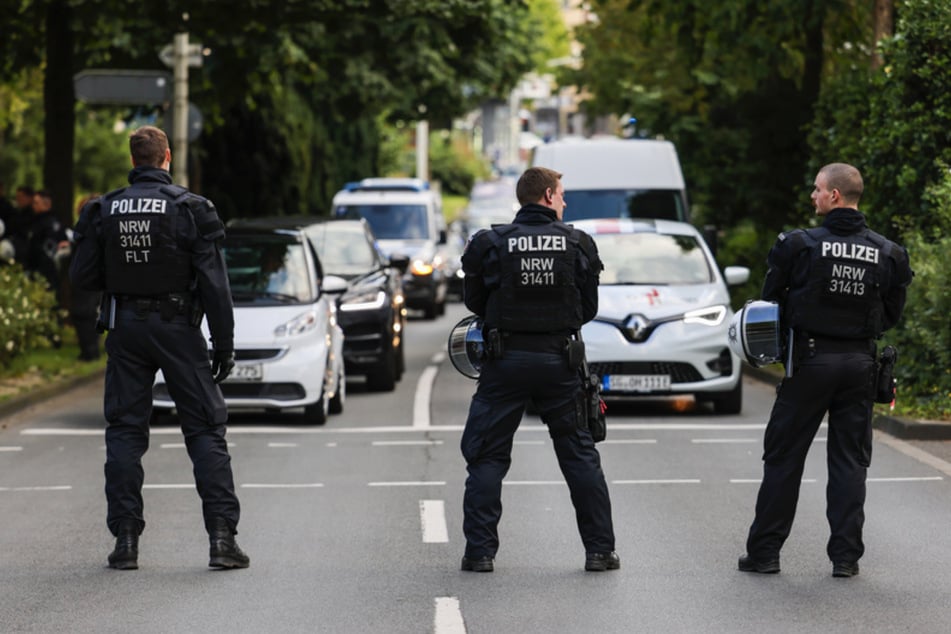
pixel 652 258
pixel 268 270
pixel 390 221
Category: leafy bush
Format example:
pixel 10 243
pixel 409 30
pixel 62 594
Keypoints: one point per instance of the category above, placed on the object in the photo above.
pixel 924 335
pixel 28 315
pixel 454 164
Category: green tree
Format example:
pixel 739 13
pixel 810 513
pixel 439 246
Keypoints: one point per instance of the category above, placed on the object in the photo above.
pixel 731 83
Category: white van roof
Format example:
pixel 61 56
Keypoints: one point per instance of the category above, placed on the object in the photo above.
pixel 612 163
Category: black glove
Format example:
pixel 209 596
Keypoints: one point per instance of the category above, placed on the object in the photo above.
pixel 222 363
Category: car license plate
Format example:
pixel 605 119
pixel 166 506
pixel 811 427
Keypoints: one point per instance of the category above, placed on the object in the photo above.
pixel 246 372
pixel 637 382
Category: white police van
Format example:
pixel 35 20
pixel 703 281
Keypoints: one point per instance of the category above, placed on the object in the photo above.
pixel 406 217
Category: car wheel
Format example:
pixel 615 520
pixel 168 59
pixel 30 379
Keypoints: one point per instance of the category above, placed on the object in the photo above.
pixel 383 378
pixel 729 402
pixel 400 361
pixel 316 413
pixel 336 403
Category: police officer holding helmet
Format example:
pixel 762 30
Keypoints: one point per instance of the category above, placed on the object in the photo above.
pixel 534 283
pixel 153 248
pixel 839 287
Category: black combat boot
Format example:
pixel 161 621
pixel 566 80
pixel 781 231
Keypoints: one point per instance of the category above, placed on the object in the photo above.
pixel 225 552
pixel 126 553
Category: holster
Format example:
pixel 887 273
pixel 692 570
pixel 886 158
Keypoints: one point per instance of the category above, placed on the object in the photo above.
pixel 575 351
pixel 885 383
pixel 106 319
pixel 493 344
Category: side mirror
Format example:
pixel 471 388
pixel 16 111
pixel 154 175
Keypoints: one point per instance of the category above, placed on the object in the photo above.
pixel 333 285
pixel 400 262
pixel 736 275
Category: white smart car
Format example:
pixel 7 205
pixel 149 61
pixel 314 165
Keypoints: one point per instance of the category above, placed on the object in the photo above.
pixel 288 345
pixel 663 314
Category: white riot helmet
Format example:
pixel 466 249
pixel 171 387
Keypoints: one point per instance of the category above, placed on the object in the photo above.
pixel 466 347
pixel 754 333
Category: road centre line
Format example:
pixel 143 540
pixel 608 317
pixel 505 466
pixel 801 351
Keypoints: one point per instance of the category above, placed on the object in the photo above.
pixel 432 518
pixel 283 445
pixel 279 430
pixel 448 617
pixel 11 448
pixel 55 487
pixel 907 479
pixel 424 389
pixel 399 443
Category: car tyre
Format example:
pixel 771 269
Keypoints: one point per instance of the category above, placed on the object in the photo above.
pixel 400 361
pixel 730 402
pixel 316 413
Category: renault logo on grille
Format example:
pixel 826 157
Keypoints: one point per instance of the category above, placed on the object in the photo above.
pixel 637 327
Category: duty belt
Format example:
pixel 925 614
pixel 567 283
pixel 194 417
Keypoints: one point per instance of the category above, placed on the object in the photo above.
pixel 168 306
pixel 534 341
pixel 820 344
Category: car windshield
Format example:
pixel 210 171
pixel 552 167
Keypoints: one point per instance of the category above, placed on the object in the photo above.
pixel 267 270
pixel 343 249
pixel 623 203
pixel 390 222
pixel 651 258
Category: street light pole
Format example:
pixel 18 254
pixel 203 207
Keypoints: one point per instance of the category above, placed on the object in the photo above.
pixel 180 110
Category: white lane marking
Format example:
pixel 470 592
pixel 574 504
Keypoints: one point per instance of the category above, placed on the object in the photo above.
pixel 168 486
pixel 408 483
pixel 252 485
pixel 629 441
pixel 448 618
pixel 266 429
pixel 55 487
pixel 914 452
pixel 664 481
pixel 908 479
pixel 331 444
pixel 283 445
pixel 421 401
pixel 11 448
pixel 400 443
pixel 432 517
pixel 712 441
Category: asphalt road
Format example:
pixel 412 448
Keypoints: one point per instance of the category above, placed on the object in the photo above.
pixel 356 526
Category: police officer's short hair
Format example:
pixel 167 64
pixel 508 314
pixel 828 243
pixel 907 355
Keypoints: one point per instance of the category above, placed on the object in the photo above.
pixel 147 146
pixel 533 183
pixel 846 178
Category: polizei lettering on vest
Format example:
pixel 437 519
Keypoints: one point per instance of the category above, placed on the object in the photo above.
pixel 537 243
pixel 138 206
pixel 850 251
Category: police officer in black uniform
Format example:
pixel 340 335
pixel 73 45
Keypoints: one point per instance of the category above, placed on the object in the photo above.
pixel 534 283
pixel 153 249
pixel 839 287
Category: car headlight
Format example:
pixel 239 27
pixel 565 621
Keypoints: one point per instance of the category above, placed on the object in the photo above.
pixel 710 316
pixel 421 267
pixel 304 322
pixel 367 300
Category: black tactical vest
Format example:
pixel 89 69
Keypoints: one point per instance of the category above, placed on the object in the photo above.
pixel 139 230
pixel 537 290
pixel 843 293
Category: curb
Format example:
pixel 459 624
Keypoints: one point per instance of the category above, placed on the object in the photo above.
pixel 23 401
pixel 904 428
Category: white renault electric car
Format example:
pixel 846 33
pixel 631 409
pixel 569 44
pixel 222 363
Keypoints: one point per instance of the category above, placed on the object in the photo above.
pixel 288 344
pixel 663 314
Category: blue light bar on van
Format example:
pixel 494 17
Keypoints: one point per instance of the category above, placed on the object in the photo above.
pixel 387 184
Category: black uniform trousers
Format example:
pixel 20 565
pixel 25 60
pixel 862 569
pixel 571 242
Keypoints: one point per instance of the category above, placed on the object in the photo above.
pixel 139 345
pixel 840 383
pixel 496 410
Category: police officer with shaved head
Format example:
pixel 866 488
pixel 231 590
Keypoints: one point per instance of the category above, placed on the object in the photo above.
pixel 153 248
pixel 839 287
pixel 534 282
